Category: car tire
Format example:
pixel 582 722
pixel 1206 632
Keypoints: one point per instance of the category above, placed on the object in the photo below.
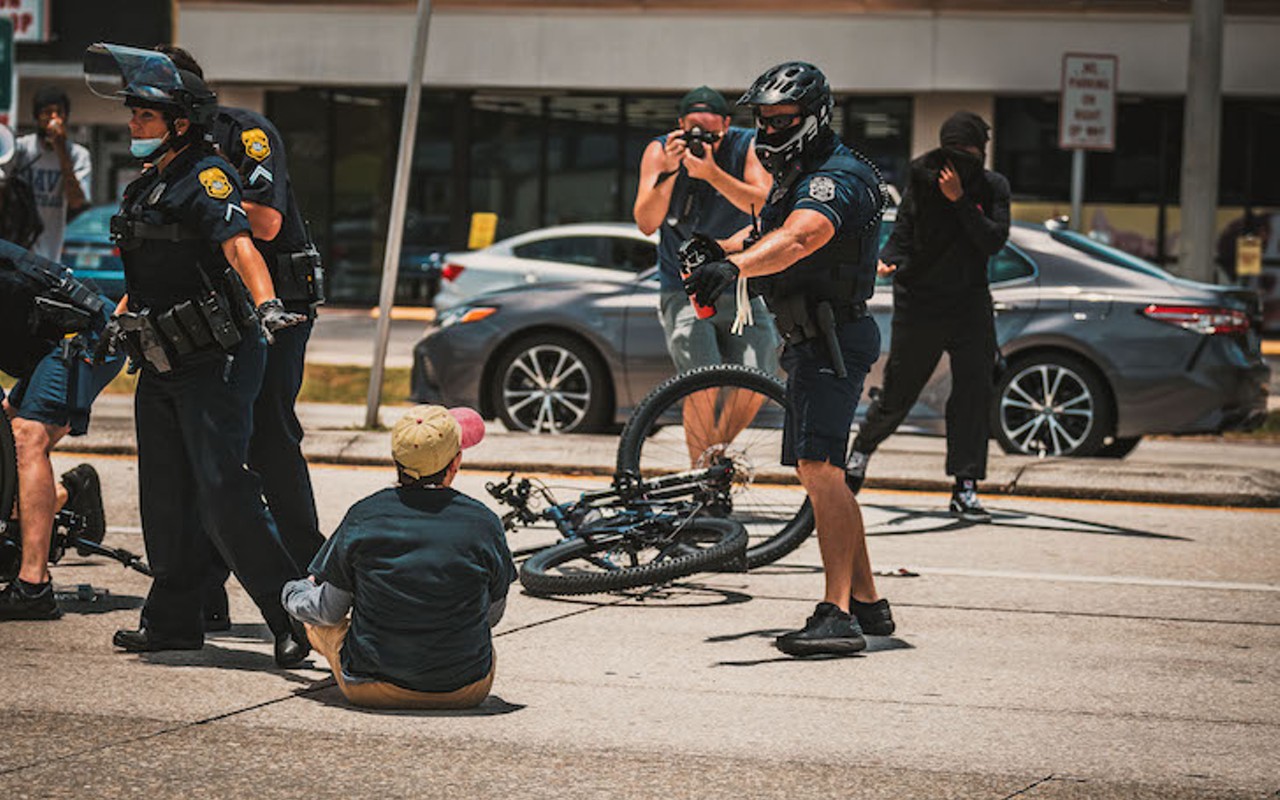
pixel 1119 447
pixel 1075 422
pixel 551 383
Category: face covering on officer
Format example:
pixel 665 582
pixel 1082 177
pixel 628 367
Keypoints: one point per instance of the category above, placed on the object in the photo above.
pixel 142 148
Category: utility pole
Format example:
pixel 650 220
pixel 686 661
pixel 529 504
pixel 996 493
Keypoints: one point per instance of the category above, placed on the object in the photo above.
pixel 1201 129
pixel 399 204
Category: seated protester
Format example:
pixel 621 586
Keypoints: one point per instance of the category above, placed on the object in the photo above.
pixel 424 570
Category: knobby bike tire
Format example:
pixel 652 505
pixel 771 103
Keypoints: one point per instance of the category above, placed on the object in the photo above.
pixel 8 469
pixel 539 577
pixel 792 531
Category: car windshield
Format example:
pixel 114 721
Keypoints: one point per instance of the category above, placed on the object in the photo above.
pixel 94 224
pixel 1107 253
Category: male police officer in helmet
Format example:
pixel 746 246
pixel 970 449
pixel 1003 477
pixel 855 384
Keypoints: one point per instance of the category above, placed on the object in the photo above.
pixel 253 146
pixel 199 311
pixel 815 265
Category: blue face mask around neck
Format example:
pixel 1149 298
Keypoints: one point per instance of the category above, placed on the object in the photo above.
pixel 141 148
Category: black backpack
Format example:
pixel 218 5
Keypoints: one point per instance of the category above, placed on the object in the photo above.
pixel 19 217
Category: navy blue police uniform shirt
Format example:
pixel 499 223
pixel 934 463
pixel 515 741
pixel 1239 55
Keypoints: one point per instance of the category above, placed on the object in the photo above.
pixel 424 565
pixel 254 148
pixel 848 200
pixel 198 192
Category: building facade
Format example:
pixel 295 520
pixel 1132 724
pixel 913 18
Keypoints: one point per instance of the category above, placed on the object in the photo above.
pixel 539 111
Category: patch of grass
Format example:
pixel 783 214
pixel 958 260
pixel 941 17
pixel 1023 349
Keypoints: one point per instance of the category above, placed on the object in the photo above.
pixel 321 383
pixel 338 383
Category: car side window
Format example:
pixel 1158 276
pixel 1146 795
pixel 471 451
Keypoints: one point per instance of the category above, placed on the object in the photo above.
pixel 632 255
pixel 586 251
pixel 1009 265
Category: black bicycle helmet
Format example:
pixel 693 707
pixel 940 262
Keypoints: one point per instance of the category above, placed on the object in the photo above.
pixel 797 82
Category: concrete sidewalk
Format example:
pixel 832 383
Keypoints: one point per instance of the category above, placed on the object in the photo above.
pixel 1172 471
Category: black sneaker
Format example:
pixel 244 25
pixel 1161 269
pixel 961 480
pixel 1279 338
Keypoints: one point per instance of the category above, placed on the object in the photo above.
pixel 855 470
pixel 84 498
pixel 17 603
pixel 875 619
pixel 828 631
pixel 965 505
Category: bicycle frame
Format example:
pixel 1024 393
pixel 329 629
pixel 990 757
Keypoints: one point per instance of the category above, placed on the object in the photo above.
pixel 641 509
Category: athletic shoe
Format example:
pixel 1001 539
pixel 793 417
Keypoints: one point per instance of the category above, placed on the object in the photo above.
pixel 965 505
pixel 875 619
pixel 828 631
pixel 84 498
pixel 18 603
pixel 855 471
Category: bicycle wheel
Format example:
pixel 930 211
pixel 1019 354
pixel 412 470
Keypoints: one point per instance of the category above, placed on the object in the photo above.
pixel 8 469
pixel 580 566
pixel 732 412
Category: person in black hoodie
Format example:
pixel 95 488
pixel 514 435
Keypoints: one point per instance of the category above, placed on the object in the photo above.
pixel 954 216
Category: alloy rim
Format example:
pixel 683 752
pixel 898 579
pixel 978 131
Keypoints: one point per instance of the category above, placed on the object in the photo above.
pixel 1047 409
pixel 546 390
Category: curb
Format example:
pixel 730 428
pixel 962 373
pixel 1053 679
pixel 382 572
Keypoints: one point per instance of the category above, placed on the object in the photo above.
pixel 1265 496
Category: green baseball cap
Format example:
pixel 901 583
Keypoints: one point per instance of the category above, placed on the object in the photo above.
pixel 704 99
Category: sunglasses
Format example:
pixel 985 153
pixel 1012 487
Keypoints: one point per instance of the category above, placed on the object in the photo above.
pixel 777 122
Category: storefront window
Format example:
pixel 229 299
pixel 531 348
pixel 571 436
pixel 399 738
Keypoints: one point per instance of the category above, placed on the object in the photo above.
pixel 880 129
pixel 582 160
pixel 506 159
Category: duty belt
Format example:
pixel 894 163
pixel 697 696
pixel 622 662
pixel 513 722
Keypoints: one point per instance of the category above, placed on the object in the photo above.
pixel 821 324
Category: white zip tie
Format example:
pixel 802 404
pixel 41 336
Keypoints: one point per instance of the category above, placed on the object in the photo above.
pixel 743 315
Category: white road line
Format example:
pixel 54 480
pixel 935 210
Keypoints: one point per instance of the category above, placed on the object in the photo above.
pixel 1123 580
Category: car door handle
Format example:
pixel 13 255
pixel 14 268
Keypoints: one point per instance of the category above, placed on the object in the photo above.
pixel 1000 306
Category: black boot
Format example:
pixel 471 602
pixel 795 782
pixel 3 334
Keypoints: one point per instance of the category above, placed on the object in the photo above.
pixel 21 600
pixel 292 647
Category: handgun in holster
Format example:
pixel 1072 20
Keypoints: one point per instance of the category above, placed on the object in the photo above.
pixel 141 341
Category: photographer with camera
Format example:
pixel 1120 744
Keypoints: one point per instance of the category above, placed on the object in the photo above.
pixel 704 179
pixel 49 323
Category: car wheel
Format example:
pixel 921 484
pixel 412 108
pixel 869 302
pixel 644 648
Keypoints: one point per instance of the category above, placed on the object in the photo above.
pixel 1052 404
pixel 1119 447
pixel 551 383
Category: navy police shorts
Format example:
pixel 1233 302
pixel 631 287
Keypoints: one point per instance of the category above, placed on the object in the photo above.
pixel 60 391
pixel 821 405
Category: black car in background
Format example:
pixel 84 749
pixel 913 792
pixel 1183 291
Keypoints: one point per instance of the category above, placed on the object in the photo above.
pixel 1101 347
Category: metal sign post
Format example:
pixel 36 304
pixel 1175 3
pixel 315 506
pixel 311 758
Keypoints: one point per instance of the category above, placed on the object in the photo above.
pixel 1087 118
pixel 399 202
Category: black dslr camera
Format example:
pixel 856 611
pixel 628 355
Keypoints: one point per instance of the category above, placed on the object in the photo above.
pixel 696 137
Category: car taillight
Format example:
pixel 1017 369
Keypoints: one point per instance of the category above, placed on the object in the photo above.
pixel 1201 319
pixel 451 271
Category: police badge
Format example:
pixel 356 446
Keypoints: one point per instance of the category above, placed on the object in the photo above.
pixel 256 144
pixel 216 183
pixel 822 189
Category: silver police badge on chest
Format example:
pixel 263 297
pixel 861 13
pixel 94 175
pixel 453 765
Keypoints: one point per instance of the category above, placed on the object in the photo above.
pixel 822 189
pixel 154 197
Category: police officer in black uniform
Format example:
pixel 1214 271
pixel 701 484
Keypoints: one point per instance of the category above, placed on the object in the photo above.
pixel 254 148
pixel 815 265
pixel 199 308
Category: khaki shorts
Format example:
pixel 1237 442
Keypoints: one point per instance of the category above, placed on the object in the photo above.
pixel 379 694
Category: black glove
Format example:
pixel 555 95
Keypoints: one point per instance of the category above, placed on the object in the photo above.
pixel 109 341
pixel 697 250
pixel 706 283
pixel 273 317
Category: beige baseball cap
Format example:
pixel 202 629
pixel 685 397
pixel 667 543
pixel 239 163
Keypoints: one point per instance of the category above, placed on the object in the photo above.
pixel 426 438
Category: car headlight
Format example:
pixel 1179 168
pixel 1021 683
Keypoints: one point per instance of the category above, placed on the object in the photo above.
pixel 463 314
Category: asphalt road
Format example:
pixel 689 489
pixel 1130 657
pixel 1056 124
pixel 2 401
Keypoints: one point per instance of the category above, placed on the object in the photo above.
pixel 1068 650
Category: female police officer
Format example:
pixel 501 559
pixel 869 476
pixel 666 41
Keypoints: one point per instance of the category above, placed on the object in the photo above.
pixel 190 324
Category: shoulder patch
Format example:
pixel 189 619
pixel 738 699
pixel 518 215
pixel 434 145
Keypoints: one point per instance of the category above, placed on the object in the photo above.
pixel 822 189
pixel 216 183
pixel 256 144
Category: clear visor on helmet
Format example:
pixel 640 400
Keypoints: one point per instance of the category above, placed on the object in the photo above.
pixel 114 71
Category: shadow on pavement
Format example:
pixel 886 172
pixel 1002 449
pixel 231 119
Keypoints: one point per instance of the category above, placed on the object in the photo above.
pixel 330 695
pixel 906 520
pixel 86 599
pixel 675 595
pixel 217 657
pixel 875 644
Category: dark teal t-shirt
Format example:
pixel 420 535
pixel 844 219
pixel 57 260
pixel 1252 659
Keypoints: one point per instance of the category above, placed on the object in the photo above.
pixel 424 566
